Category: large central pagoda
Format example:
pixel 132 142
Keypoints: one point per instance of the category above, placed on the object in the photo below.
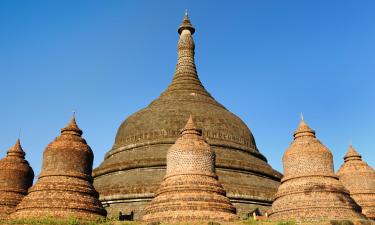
pixel 135 166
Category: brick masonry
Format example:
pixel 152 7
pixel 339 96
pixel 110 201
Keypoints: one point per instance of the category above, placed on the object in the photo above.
pixel 309 189
pixel 190 190
pixel 64 188
pixel 359 178
pixel 143 139
pixel 16 176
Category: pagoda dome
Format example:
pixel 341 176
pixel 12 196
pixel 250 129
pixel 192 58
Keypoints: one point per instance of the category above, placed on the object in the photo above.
pixel 16 177
pixel 135 166
pixel 64 187
pixel 309 190
pixel 359 178
pixel 307 155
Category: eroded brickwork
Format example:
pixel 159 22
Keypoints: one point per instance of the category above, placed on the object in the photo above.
pixel 309 189
pixel 64 188
pixel 359 178
pixel 190 190
pixel 16 176
pixel 143 139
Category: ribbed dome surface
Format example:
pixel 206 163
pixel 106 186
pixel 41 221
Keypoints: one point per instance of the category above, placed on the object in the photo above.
pixel 359 178
pixel 134 167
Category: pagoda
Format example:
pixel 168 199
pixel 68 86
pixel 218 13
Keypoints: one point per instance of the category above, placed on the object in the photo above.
pixel 133 169
pixel 16 176
pixel 190 190
pixel 309 190
pixel 64 188
pixel 359 178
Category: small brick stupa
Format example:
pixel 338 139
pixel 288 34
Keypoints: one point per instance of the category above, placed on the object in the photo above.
pixel 309 189
pixel 190 190
pixel 359 178
pixel 64 188
pixel 16 176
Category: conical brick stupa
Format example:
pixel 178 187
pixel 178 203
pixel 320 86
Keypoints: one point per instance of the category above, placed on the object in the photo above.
pixel 309 189
pixel 16 176
pixel 190 190
pixel 359 178
pixel 64 188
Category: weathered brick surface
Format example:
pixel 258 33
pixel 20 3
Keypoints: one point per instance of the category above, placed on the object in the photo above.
pixel 143 139
pixel 64 187
pixel 309 189
pixel 16 176
pixel 359 178
pixel 190 190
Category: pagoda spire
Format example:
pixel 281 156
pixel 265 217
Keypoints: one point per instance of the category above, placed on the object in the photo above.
pixel 190 128
pixel 352 154
pixel 186 24
pixel 72 127
pixel 16 150
pixel 186 77
pixel 303 129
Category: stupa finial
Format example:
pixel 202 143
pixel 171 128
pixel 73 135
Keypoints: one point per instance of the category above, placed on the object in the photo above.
pixel 186 24
pixel 72 127
pixel 303 129
pixel 352 154
pixel 190 127
pixel 186 78
pixel 16 150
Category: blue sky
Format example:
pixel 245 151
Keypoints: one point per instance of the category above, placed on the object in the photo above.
pixel 265 60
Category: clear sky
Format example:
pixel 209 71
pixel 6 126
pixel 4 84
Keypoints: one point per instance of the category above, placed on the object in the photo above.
pixel 265 60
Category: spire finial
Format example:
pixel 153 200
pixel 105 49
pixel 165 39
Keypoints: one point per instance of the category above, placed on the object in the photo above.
pixel 186 25
pixel 72 126
pixel 303 129
pixel 352 154
pixel 190 127
pixel 16 150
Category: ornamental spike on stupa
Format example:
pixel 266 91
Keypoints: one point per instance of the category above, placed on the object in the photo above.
pixel 352 154
pixel 16 150
pixel 134 167
pixel 186 24
pixel 309 189
pixel 64 188
pixel 190 190
pixel 190 127
pixel 72 127
pixel 186 75
pixel 359 178
pixel 16 176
